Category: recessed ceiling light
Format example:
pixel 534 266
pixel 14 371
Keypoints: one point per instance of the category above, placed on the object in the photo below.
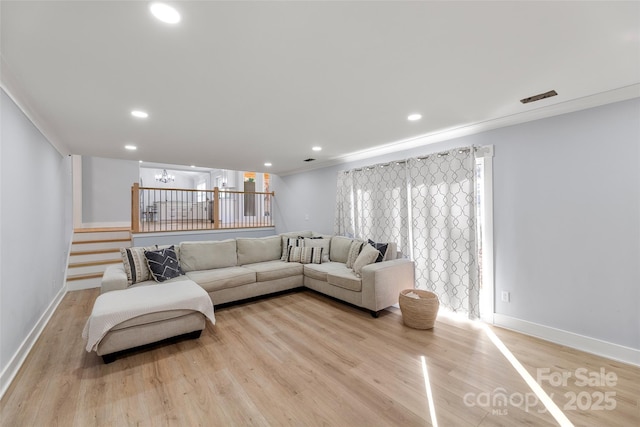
pixel 316 148
pixel 139 161
pixel 414 117
pixel 267 164
pixel 131 147
pixel 165 13
pixel 140 114
pixel 193 166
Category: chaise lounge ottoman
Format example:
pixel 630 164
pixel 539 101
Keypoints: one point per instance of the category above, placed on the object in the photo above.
pixel 128 318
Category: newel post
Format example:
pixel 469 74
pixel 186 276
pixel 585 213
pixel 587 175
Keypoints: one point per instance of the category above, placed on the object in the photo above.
pixel 216 208
pixel 135 208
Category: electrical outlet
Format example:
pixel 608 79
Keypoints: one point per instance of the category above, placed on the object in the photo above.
pixel 506 296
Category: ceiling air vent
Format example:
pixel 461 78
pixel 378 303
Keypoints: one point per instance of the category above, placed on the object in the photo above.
pixel 309 160
pixel 539 97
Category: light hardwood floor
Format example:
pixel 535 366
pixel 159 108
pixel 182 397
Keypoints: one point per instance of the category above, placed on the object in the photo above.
pixel 302 359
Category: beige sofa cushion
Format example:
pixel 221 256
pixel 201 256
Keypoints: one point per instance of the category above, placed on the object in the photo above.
pixel 222 278
pixel 346 279
pixel 274 270
pixel 207 255
pixel 319 271
pixel 252 250
pixel 339 250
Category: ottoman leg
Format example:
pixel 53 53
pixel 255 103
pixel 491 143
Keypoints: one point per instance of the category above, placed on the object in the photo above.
pixel 193 335
pixel 109 358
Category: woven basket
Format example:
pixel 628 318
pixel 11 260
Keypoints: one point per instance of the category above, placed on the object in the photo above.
pixel 419 313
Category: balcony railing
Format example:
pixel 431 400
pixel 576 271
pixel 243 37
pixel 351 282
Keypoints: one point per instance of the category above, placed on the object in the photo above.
pixel 175 209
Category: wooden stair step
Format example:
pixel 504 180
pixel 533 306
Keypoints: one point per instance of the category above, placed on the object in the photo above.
pixel 73 277
pixel 95 252
pixel 92 263
pixel 80 242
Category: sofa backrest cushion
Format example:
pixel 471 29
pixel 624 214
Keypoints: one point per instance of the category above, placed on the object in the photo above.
pixel 208 255
pixel 252 250
pixel 340 248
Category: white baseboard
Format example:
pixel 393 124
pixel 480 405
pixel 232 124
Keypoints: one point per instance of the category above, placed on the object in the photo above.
pixel 580 342
pixel 10 371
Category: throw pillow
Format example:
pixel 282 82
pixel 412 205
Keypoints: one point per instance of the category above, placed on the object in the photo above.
pixel 319 242
pixel 288 242
pixel 354 251
pixel 163 264
pixel 135 264
pixel 367 256
pixel 311 255
pixel 294 254
pixel 382 247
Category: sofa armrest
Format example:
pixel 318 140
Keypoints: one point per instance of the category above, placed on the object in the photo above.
pixel 383 281
pixel 114 278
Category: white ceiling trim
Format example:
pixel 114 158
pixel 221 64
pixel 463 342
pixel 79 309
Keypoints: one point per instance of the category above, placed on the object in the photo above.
pixel 608 97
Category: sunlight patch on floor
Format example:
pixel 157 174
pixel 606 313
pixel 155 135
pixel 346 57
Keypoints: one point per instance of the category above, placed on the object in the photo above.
pixel 553 409
pixel 459 320
pixel 427 386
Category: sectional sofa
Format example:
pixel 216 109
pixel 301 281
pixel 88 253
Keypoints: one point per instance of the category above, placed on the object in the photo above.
pixel 236 269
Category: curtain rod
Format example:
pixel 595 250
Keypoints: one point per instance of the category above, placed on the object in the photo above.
pixel 419 158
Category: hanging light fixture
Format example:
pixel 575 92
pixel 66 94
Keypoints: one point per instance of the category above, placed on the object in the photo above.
pixel 164 177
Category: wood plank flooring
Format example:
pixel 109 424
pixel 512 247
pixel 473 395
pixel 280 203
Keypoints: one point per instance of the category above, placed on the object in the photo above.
pixel 302 359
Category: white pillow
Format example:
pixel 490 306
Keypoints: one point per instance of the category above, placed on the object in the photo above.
pixel 367 256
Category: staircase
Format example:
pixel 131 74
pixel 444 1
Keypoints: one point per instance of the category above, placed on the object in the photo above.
pixel 92 251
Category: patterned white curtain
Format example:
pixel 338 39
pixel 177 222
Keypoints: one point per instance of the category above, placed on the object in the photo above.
pixel 373 202
pixel 444 228
pixel 344 219
pixel 380 204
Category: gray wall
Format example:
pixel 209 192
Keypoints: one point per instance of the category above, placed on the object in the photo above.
pixel 106 190
pixel 35 226
pixel 566 217
pixel 148 239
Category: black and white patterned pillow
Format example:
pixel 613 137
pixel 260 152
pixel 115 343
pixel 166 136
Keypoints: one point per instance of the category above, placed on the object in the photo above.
pixel 381 247
pixel 294 254
pixel 135 264
pixel 311 255
pixel 163 264
pixel 288 242
pixel 319 242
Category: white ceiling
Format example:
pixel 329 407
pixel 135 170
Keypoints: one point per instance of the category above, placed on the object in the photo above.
pixel 236 84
